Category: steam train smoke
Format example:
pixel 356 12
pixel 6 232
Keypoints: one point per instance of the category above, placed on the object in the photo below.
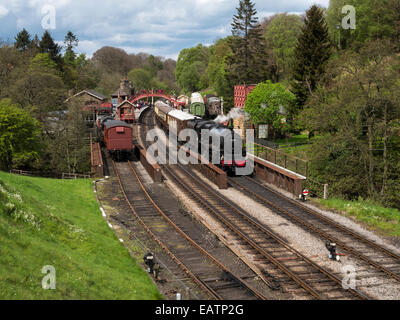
pixel 233 114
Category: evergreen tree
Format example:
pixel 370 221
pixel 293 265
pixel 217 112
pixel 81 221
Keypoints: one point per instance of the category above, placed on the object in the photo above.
pixel 248 61
pixel 71 41
pixel 35 43
pixel 47 45
pixel 312 51
pixel 23 40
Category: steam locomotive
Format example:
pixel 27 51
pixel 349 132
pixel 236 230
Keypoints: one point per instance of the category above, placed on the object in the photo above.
pixel 211 135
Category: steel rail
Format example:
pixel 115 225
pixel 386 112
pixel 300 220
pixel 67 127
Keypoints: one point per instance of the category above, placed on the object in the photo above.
pixel 330 221
pixel 192 242
pixel 198 281
pixel 322 234
pixel 272 235
pixel 289 273
pixel 269 257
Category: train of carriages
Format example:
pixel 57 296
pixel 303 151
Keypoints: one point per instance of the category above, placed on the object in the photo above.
pixel 117 136
pixel 217 135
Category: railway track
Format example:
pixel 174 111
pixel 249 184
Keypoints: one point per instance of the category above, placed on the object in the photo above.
pixel 282 264
pixel 204 269
pixel 382 259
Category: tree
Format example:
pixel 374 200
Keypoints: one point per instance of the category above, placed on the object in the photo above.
pixel 248 61
pixel 23 40
pixel 281 36
pixel 43 91
pixel 70 65
pixel 268 103
pixel 47 45
pixel 219 52
pixel 357 113
pixel 19 137
pixel 36 43
pixel 374 20
pixel 12 62
pixel 67 149
pixel 113 60
pixel 70 42
pixel 87 74
pixel 43 63
pixel 154 65
pixel 312 52
pixel 167 76
pixel 191 68
pixel 141 79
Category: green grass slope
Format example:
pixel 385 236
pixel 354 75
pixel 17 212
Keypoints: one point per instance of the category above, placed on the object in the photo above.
pixel 384 220
pixel 58 223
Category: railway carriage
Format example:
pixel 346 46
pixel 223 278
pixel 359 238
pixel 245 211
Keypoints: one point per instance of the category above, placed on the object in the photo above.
pixel 161 109
pixel 171 118
pixel 118 138
pixel 197 107
pixel 177 120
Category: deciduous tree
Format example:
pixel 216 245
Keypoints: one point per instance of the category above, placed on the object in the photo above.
pixel 19 137
pixel 190 72
pixel 281 37
pixel 358 115
pixel 268 103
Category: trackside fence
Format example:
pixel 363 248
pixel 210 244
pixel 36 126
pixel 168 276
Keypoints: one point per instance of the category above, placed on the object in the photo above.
pixel 279 158
pixel 50 174
pixel 75 176
pixel 292 163
pixel 316 189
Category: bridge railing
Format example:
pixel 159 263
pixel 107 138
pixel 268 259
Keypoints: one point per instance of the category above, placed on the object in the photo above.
pixel 279 158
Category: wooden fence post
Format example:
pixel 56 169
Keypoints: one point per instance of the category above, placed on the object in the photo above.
pixel 325 191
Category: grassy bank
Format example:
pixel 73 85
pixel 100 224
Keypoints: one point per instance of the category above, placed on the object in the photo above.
pixel 298 146
pixel 58 223
pixel 384 220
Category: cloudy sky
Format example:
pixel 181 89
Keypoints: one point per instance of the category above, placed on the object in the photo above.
pixel 159 27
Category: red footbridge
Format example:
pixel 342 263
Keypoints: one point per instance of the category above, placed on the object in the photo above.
pixel 155 94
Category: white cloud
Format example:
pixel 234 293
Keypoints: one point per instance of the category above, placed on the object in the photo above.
pixel 3 11
pixel 158 27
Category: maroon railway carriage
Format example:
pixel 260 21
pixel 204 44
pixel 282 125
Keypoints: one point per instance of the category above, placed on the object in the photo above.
pixel 118 138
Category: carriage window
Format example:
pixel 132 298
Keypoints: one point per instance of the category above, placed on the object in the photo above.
pixel 120 130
